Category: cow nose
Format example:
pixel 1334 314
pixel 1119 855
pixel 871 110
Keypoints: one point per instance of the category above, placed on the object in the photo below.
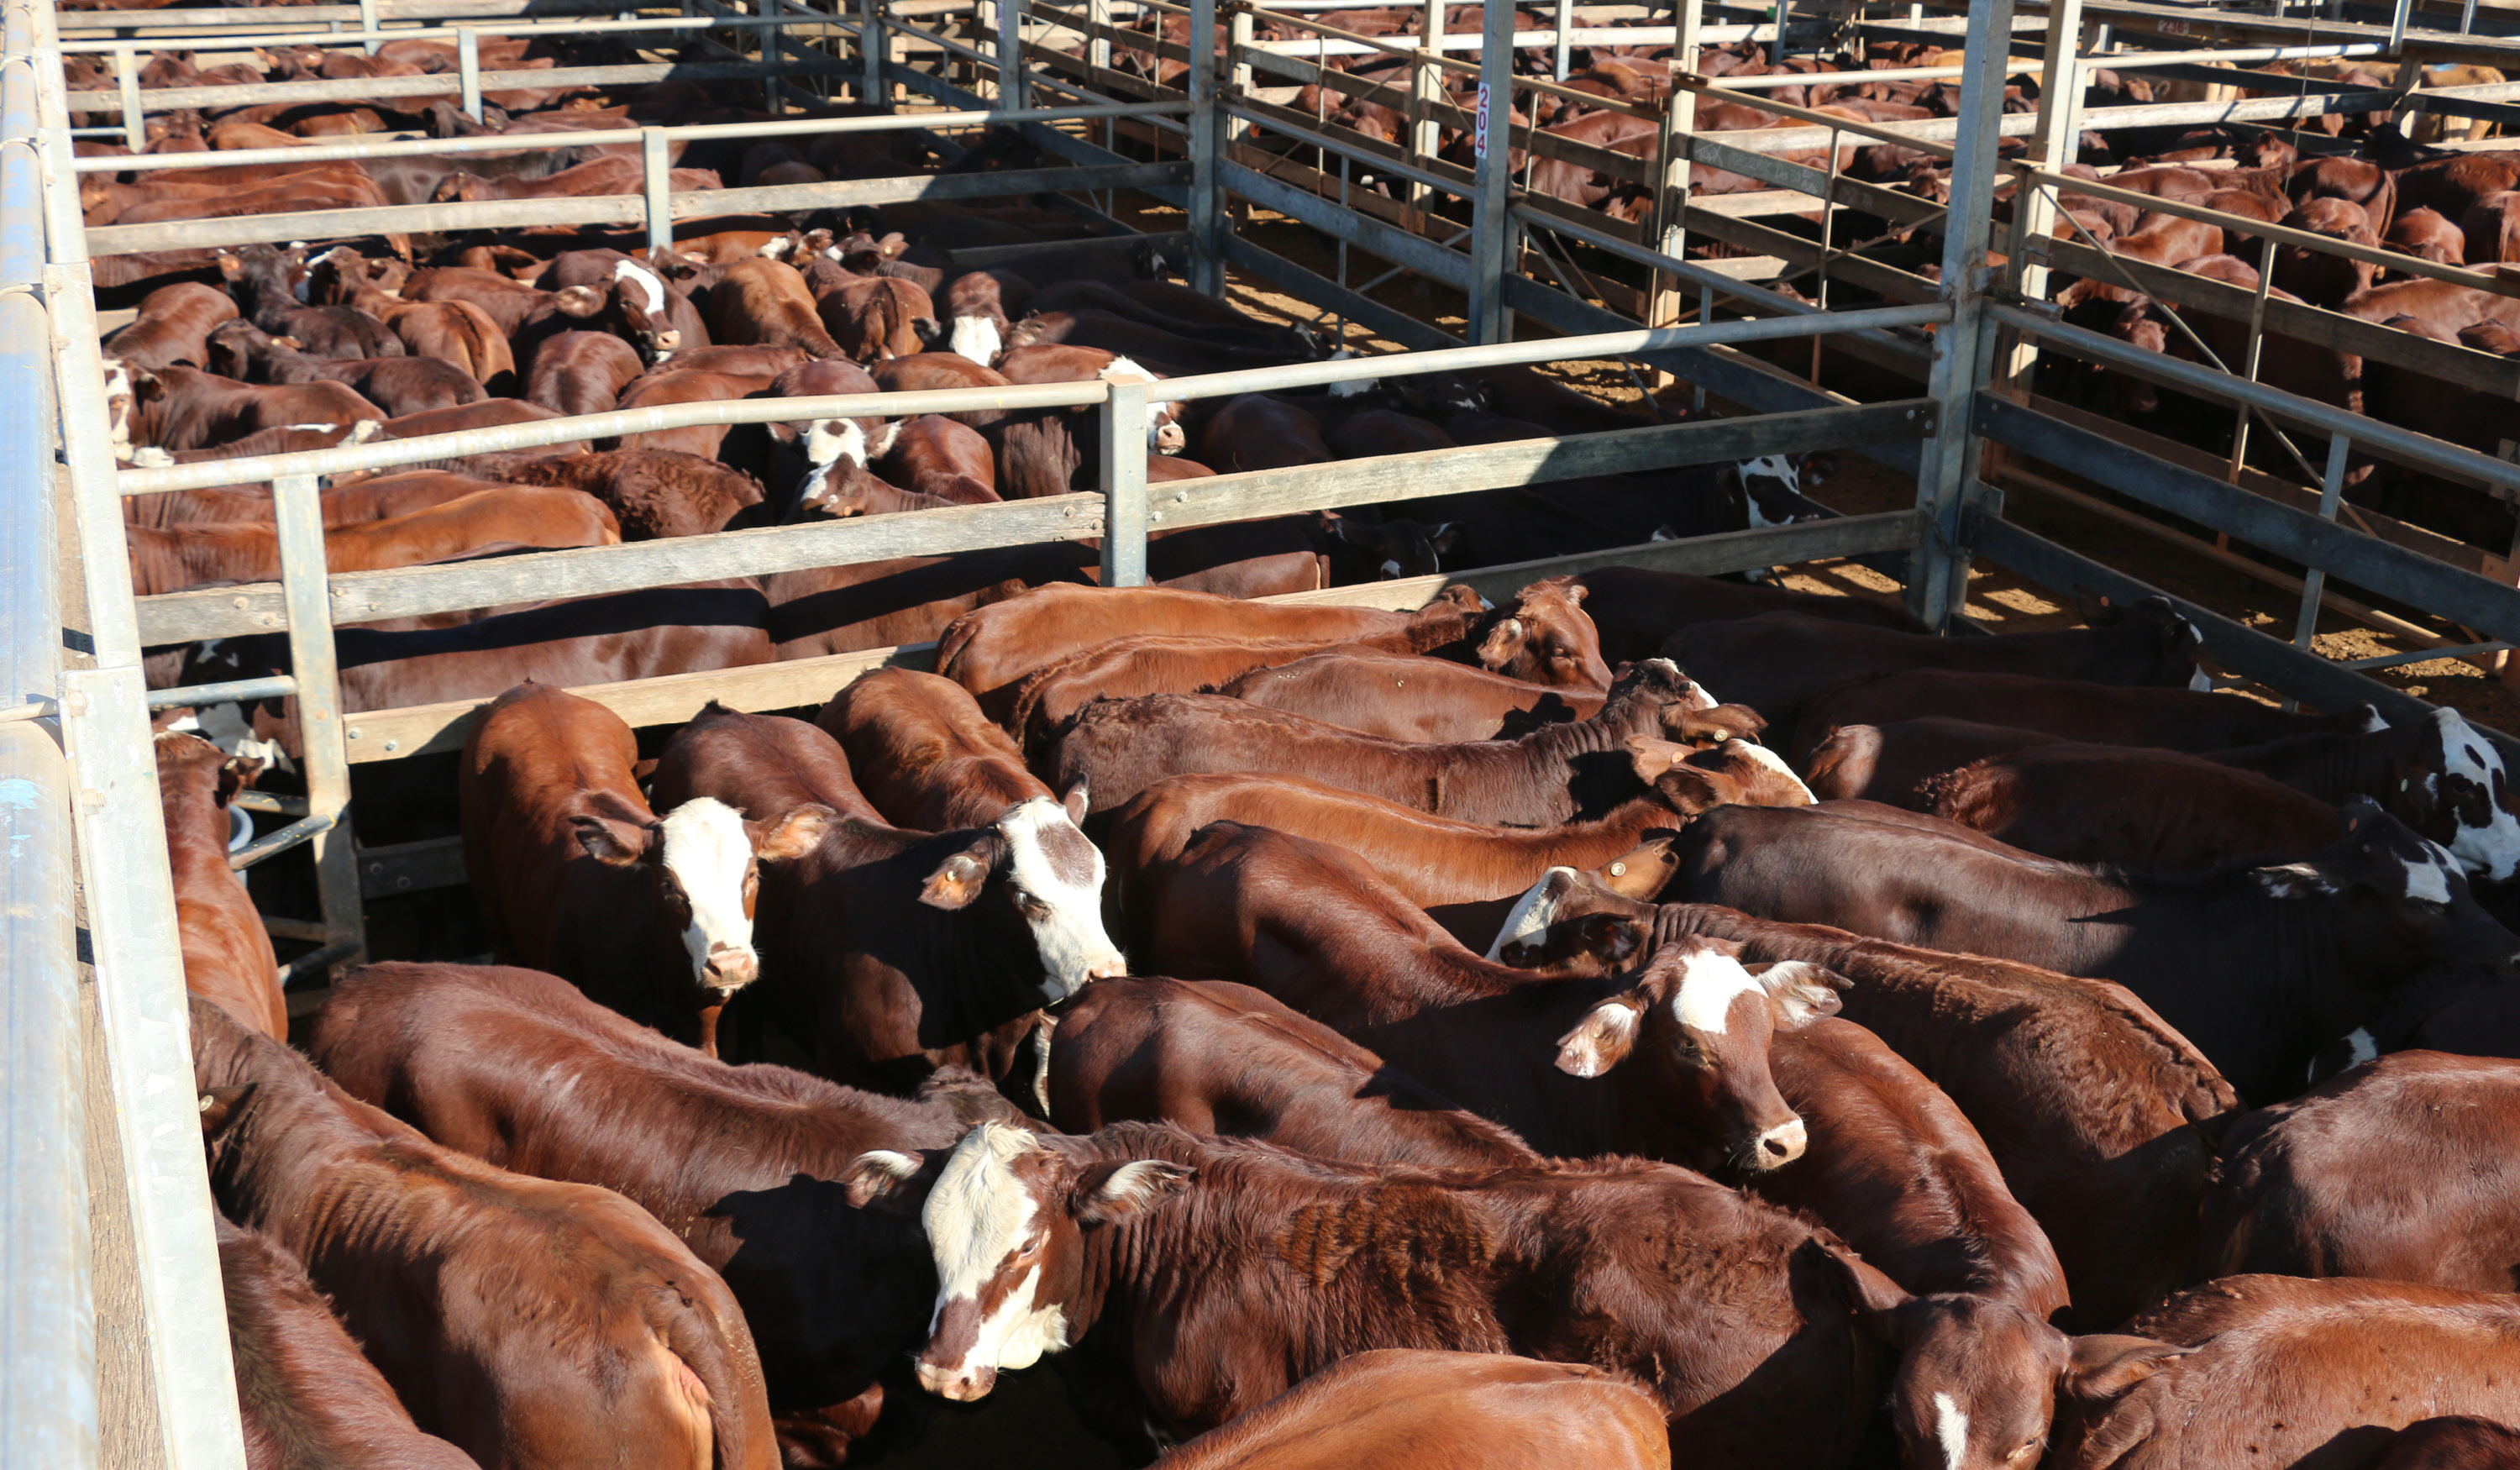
pixel 669 340
pixel 962 1385
pixel 731 967
pixel 1170 439
pixel 1780 1146
pixel 1110 968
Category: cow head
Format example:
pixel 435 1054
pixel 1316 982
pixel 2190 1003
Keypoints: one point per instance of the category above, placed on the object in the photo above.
pixel 2453 790
pixel 2159 643
pixel 1549 639
pixel 837 452
pixel 1163 420
pixel 645 308
pixel 1051 890
pixel 1396 548
pixel 2416 891
pixel 1568 921
pixel 706 861
pixel 1005 1214
pixel 459 186
pixel 121 401
pixel 1652 695
pixel 1978 1379
pixel 1699 1024
pixel 1769 488
pixel 1732 773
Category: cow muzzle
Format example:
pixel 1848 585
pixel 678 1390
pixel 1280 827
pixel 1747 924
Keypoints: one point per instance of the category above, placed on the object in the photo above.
pixel 1112 968
pixel 1169 439
pixel 1779 1145
pixel 730 967
pixel 963 1385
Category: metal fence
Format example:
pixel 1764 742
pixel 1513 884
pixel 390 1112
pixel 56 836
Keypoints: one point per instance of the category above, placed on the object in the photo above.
pixel 1052 71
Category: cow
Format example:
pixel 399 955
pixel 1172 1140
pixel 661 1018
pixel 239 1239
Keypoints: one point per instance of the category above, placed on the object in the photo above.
pixel 654 493
pixel 923 753
pixel 399 385
pixel 1216 1057
pixel 1420 700
pixel 264 283
pixel 521 1071
pixel 352 501
pixel 1778 661
pixel 578 875
pixel 2155 812
pixel 875 318
pixel 2314 1186
pixel 2451 1441
pixel 1404 1411
pixel 504 517
pixel 172 327
pixel 2283 1371
pixel 892 951
pixel 227 954
pixel 935 456
pixel 990 652
pixel 524 1322
pixel 766 302
pixel 1556 773
pixel 581 373
pixel 304 1393
pixel 1293 1263
pixel 182 408
pixel 2261 967
pixel 2102 714
pixel 1546 639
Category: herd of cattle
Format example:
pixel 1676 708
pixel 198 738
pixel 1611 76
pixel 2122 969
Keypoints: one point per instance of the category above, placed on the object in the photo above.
pixel 1457 1036
pixel 1661 1020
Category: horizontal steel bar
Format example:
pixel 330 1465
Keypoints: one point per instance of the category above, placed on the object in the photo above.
pixel 2422 450
pixel 501 30
pixel 2425 655
pixel 442 84
pixel 276 686
pixel 526 143
pixel 2392 572
pixel 281 841
pixel 321 961
pixel 275 802
pixel 381 454
pixel 1558 349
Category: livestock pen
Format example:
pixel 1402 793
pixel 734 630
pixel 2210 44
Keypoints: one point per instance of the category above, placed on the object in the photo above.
pixel 109 1243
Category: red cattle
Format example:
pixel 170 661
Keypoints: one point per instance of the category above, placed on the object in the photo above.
pixel 504 517
pixel 1423 701
pixel 1403 1410
pixel 302 1389
pixel 936 456
pixel 1548 640
pixel 227 954
pixel 581 373
pixel 1216 1057
pixel 892 953
pixel 578 875
pixel 766 302
pixel 924 754
pixel 399 385
pixel 2160 812
pixel 529 1323
pixel 876 318
pixel 654 493
pixel 172 327
pixel 2173 719
pixel 519 1070
pixel 185 408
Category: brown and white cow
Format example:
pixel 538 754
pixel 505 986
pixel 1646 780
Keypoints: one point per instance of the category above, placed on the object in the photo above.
pixel 576 875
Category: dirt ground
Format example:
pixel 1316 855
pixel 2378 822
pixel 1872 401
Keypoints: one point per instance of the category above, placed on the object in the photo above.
pixel 1996 598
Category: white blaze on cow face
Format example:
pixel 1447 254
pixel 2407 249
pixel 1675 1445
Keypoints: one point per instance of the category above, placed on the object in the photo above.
pixel 2492 848
pixel 777 248
pixel 976 338
pixel 829 441
pixel 118 404
pixel 1950 1428
pixel 982 1224
pixel 1534 911
pixel 1709 984
pixel 1057 877
pixel 708 855
pixel 1762 755
pixel 648 286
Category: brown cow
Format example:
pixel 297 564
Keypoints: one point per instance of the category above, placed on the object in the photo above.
pixel 1554 775
pixel 654 492
pixel 529 1323
pixel 876 316
pixel 1634 611
pixel 924 754
pixel 935 456
pixel 185 408
pixel 1422 701
pixel 580 373
pixel 352 501
pixel 575 875
pixel 519 1070
pixel 303 1391
pixel 2276 1370
pixel 1546 639
pixel 990 652
pixel 399 385
pixel 2159 811
pixel 2452 1442
pixel 765 303
pixel 1268 1266
pixel 227 954
pixel 172 327
pixel 1216 1057
pixel 499 518
pixel 1778 661
pixel 1403 1410
pixel 2102 714
pixel 2316 1187
pixel 893 952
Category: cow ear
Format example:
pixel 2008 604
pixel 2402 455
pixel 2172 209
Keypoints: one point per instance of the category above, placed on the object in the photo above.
pixel 1724 722
pixel 579 300
pixel 230 266
pixel 1109 1192
pixel 597 837
pixel 1637 874
pixel 1803 992
pixel 797 833
pixel 1604 1037
pixel 1078 800
pixel 2298 880
pixel 1444 538
pixel 1503 642
pixel 958 880
pixel 890 1182
pixel 1651 757
pixel 1689 791
pixel 2105 1365
pixel 219 1106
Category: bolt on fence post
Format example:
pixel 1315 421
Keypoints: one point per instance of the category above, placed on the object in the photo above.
pixel 298 510
pixel 468 66
pixel 1124 484
pixel 660 183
